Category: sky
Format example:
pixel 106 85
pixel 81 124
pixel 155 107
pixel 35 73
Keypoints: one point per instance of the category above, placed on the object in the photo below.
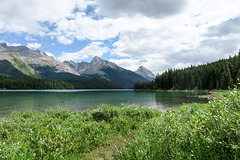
pixel 157 34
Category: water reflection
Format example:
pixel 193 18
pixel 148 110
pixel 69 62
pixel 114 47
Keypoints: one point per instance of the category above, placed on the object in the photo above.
pixel 83 99
pixel 176 99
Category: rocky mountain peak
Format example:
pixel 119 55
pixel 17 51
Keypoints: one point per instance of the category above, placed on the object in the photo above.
pixel 22 51
pixel 3 47
pixel 3 44
pixel 97 59
pixel 42 65
pixel 41 52
pixel 142 68
pixel 146 73
pixel 71 64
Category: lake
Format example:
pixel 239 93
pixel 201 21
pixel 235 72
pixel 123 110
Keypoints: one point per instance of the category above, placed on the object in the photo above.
pixel 24 100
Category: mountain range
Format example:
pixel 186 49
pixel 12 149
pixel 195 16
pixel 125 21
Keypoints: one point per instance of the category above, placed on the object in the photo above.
pixel 22 61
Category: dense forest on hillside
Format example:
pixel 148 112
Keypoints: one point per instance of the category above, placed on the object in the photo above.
pixel 13 82
pixel 217 75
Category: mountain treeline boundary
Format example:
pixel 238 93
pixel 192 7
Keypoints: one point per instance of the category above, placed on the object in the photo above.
pixel 15 82
pixel 221 74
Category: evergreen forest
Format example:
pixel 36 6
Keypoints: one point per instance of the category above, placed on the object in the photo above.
pixel 15 82
pixel 221 74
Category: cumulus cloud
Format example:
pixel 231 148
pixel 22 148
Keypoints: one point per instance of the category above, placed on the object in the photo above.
pixel 93 49
pixel 34 45
pixel 155 65
pixel 28 16
pixel 182 40
pixel 64 40
pixel 50 54
pixel 149 8
pixel 157 34
pixel 83 27
pixel 155 48
pixel 160 49
pixel 231 26
pixel 130 64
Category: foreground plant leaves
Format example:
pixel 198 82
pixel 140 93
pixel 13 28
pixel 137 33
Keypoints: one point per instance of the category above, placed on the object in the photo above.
pixel 193 131
pixel 58 133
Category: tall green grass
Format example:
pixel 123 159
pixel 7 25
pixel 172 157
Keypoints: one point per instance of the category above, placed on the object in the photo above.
pixel 57 134
pixel 193 131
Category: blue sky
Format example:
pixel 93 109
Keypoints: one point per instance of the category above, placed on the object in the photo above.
pixel 158 34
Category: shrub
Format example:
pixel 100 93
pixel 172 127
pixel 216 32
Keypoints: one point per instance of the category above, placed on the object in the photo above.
pixel 193 131
pixel 56 134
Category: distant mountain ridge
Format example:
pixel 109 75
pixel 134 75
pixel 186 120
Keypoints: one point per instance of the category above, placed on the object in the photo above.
pixel 33 58
pixel 36 63
pixel 92 68
pixel 106 70
pixel 146 73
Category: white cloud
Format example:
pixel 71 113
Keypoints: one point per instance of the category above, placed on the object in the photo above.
pixel 82 27
pixel 34 45
pixel 157 34
pixel 62 39
pixel 130 64
pixel 181 40
pixel 93 49
pixel 50 54
pixel 29 38
pixel 28 15
pixel 14 44
pixel 155 65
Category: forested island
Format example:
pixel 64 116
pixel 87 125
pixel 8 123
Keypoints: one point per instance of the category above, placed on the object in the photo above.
pixel 217 75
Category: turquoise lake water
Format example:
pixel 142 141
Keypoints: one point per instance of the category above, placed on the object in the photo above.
pixel 24 100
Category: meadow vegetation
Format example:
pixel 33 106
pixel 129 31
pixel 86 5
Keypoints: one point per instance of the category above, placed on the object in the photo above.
pixel 193 131
pixel 60 134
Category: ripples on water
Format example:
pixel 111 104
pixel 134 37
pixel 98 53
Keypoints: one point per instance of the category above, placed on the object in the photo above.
pixel 24 100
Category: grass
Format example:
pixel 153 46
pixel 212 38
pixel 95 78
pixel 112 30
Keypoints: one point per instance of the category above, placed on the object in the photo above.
pixel 193 131
pixel 63 134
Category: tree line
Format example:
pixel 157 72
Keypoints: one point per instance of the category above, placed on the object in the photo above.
pixel 16 82
pixel 221 74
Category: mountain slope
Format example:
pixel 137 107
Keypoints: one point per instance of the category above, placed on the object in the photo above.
pixel 33 58
pixel 23 61
pixel 124 77
pixel 7 68
pixel 93 68
pixel 107 70
pixel 146 73
pixel 20 65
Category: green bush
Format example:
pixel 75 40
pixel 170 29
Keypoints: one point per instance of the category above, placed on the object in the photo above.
pixel 193 131
pixel 56 134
